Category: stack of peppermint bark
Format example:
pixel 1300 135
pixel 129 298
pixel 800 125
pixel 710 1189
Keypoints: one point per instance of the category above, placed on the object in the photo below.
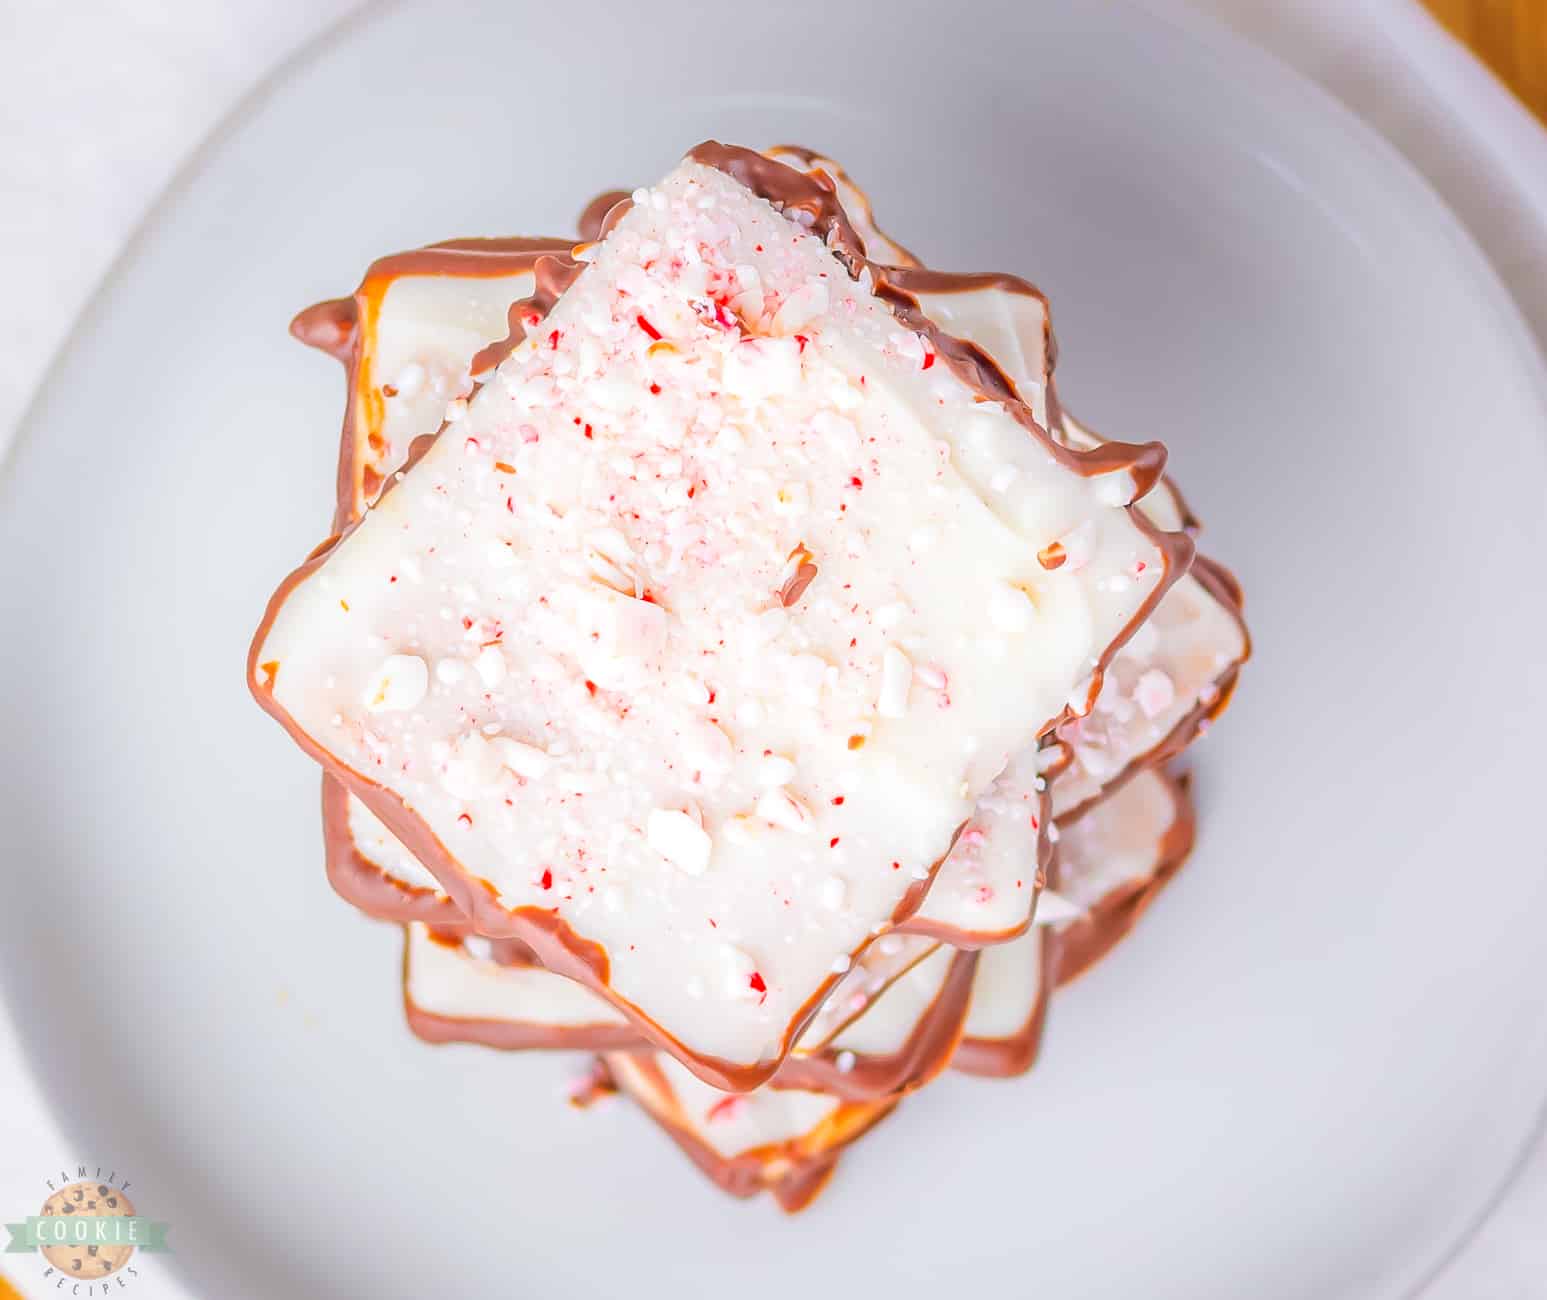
pixel 732 660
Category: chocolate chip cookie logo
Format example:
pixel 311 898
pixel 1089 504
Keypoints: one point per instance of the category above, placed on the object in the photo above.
pixel 88 1233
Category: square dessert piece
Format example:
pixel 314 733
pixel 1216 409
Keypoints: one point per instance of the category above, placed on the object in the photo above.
pixel 408 320
pixel 687 647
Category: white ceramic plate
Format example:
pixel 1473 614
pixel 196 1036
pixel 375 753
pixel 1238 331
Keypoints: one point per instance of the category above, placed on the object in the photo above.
pixel 1317 1059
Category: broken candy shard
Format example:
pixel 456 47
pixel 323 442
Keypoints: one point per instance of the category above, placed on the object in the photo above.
pixel 783 1141
pixel 703 473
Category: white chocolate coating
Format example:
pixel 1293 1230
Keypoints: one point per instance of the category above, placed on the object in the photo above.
pixel 864 987
pixel 455 982
pixel 417 336
pixel 380 847
pixel 1006 987
pixel 1118 841
pixel 642 709
pixel 891 1018
pixel 988 884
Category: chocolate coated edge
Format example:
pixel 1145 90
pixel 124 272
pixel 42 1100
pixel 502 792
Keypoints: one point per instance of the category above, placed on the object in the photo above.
pixel 805 1172
pixel 815 161
pixel 361 882
pixel 508 1035
pixel 971 940
pixel 1003 1058
pixel 923 1055
pixel 342 327
pixel 1085 941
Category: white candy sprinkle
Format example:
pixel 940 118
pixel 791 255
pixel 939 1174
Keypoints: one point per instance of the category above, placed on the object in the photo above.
pixel 841 964
pixel 780 808
pixel 473 767
pixel 739 969
pixel 1117 489
pixel 845 1062
pixel 491 666
pixel 409 380
pixel 478 948
pixel 524 760
pixel 400 683
pixel 1079 544
pixel 1154 693
pixel 834 893
pixel 801 308
pixel 1010 608
pixel 679 839
pixel 929 676
pixel 775 770
pixel 896 676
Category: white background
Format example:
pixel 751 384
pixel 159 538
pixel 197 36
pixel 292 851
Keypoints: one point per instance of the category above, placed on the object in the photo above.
pixel 102 104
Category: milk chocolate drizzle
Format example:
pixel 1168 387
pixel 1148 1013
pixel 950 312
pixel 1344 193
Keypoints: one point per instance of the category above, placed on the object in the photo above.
pixel 813 161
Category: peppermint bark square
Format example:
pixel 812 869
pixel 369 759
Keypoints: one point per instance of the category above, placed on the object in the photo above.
pixel 686 648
